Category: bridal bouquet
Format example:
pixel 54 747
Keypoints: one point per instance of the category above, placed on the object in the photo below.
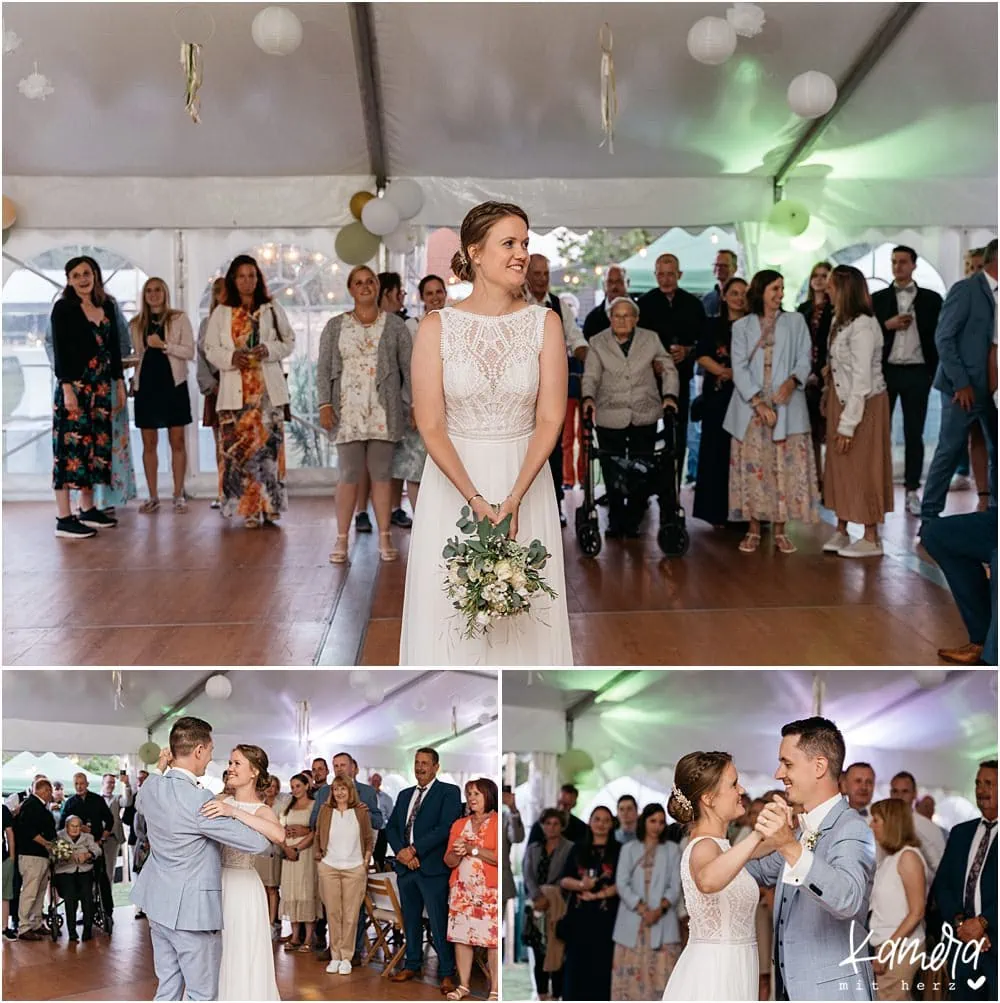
pixel 60 851
pixel 489 577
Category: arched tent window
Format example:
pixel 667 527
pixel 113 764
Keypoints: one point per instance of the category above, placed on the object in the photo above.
pixel 28 295
pixel 310 286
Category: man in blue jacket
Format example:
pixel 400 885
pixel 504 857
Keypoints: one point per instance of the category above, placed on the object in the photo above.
pixel 418 834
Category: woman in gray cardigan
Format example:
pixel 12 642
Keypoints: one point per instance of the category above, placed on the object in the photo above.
pixel 622 397
pixel 647 932
pixel 363 375
pixel 544 864
pixel 74 877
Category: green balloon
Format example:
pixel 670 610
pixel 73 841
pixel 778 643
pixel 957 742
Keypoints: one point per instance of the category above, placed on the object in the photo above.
pixel 789 218
pixel 355 245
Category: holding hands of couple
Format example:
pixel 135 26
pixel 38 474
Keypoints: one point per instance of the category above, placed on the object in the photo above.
pixel 776 823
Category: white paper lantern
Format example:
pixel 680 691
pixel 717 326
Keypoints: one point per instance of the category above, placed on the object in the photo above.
pixel 407 196
pixel 813 238
pixel 812 94
pixel 218 688
pixel 402 240
pixel 380 217
pixel 711 40
pixel 374 694
pixel 277 31
pixel 929 679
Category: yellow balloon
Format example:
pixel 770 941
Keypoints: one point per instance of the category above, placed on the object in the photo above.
pixel 358 201
pixel 9 213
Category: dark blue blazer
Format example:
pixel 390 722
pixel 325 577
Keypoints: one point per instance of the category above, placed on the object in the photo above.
pixel 964 335
pixel 442 804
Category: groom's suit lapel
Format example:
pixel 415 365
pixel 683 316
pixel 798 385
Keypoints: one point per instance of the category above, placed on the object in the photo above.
pixel 828 823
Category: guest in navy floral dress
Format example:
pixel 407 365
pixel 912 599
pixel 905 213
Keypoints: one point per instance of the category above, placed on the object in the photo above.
pixel 711 490
pixel 818 312
pixel 90 385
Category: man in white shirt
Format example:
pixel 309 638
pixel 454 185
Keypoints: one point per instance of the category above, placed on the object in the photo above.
pixel 822 875
pixel 536 291
pixel 116 803
pixel 965 889
pixel 859 786
pixel 903 787
pixel 385 803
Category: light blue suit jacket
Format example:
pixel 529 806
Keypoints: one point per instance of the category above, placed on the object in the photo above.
pixel 964 335
pixel 792 356
pixel 813 921
pixel 665 883
pixel 180 885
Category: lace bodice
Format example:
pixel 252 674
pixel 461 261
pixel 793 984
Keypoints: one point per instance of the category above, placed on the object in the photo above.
pixel 237 858
pixel 491 372
pixel 723 917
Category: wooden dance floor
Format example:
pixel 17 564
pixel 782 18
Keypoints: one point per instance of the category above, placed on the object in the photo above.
pixel 121 968
pixel 195 589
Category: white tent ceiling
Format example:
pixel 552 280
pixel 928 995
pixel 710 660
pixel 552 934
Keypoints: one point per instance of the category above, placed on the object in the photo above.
pixel 497 100
pixel 74 712
pixel 652 717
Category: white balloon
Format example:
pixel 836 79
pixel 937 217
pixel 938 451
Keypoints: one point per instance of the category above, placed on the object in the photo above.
pixel 402 240
pixel 357 678
pixel 277 31
pixel 218 688
pixel 814 237
pixel 380 217
pixel 407 196
pixel 812 94
pixel 374 694
pixel 928 679
pixel 711 40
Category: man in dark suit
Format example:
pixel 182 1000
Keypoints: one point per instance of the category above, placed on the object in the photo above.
pixel 574 829
pixel 964 337
pixel 965 890
pixel 615 286
pixel 908 317
pixel 418 834
pixel 678 317
pixel 96 816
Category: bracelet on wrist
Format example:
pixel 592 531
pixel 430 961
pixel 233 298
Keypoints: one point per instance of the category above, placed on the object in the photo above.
pixel 472 498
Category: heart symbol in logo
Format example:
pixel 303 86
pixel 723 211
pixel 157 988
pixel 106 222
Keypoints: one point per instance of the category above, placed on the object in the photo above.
pixel 977 983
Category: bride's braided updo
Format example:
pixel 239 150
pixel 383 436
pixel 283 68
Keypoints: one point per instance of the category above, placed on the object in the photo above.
pixel 257 758
pixel 477 224
pixel 696 774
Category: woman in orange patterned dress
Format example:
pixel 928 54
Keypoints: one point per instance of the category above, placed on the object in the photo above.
pixel 473 912
pixel 247 337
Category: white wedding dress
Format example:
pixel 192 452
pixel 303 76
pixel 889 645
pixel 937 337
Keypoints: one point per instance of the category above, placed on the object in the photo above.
pixel 720 959
pixel 491 377
pixel 247 970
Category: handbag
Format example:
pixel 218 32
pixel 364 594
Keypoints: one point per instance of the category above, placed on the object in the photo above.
pixel 287 408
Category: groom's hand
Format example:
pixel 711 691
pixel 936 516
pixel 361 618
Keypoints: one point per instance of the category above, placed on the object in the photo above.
pixel 773 824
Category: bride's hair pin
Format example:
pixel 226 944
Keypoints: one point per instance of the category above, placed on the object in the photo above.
pixel 682 798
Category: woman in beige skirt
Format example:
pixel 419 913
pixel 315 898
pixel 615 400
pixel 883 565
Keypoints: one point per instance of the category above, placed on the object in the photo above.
pixel 299 898
pixel 857 481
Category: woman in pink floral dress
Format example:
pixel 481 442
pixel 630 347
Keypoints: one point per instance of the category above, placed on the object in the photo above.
pixel 473 913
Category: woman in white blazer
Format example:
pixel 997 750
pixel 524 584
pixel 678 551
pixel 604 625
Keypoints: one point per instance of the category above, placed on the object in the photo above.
pixel 772 469
pixel 248 336
pixel 857 479
pixel 164 345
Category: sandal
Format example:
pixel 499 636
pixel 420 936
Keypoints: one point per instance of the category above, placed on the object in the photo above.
pixel 387 552
pixel 493 996
pixel 458 994
pixel 290 946
pixel 180 505
pixel 304 949
pixel 783 544
pixel 149 506
pixel 252 522
pixel 750 543
pixel 339 553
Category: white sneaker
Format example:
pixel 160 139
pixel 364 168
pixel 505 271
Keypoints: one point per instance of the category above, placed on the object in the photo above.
pixel 836 543
pixel 345 968
pixel 862 548
pixel 334 967
pixel 960 482
pixel 913 503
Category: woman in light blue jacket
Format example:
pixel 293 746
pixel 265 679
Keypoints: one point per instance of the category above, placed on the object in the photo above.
pixel 647 932
pixel 772 468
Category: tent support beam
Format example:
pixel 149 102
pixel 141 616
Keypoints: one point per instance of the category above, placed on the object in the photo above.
pixel 465 731
pixel 585 703
pixel 181 701
pixel 366 64
pixel 867 60
pixel 954 675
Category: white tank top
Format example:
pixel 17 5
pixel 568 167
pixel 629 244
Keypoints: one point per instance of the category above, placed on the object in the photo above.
pixel 888 903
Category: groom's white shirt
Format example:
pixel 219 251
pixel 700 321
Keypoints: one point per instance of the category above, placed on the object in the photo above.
pixel 195 780
pixel 809 822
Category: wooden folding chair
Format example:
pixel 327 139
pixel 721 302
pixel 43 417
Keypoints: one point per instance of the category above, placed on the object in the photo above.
pixel 385 916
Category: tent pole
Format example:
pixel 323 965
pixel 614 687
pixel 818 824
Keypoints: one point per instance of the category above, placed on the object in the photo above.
pixel 186 698
pixel 458 734
pixel 867 60
pixel 585 703
pixel 366 64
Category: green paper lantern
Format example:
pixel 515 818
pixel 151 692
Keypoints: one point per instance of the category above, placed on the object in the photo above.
pixel 574 762
pixel 789 218
pixel 355 245
pixel 149 753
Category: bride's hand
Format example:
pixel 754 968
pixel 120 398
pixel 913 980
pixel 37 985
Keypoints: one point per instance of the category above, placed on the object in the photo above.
pixel 482 509
pixel 509 507
pixel 217 809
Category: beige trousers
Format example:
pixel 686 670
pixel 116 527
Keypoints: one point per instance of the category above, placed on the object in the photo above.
pixel 34 879
pixel 342 892
pixel 897 983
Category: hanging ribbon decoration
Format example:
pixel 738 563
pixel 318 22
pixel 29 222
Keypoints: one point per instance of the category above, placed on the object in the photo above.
pixel 119 685
pixel 191 61
pixel 609 95
pixel 302 728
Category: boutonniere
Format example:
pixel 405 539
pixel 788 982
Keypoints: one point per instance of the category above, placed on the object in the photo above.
pixel 812 838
